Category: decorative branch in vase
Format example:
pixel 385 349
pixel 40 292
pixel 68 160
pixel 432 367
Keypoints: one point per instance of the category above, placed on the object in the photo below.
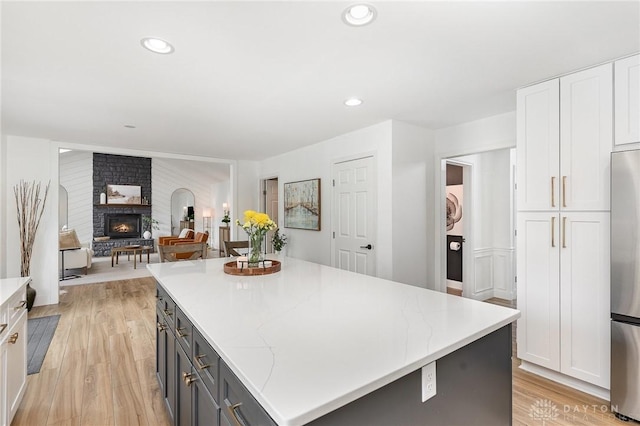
pixel 29 209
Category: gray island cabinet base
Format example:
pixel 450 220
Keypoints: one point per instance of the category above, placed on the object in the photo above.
pixel 236 351
pixel 473 387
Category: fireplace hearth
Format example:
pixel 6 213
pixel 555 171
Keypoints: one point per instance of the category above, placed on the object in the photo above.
pixel 123 225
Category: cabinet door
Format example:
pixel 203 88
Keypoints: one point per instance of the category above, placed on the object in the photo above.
pixel 3 371
pixel 584 296
pixel 172 375
pixel 205 410
pixel 538 146
pixel 538 288
pixel 185 375
pixel 161 352
pixel 16 380
pixel 586 129
pixel 627 100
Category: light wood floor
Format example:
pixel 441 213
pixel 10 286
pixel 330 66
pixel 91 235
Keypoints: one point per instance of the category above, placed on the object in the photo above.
pixel 99 369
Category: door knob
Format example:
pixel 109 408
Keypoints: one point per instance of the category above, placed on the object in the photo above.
pixel 368 246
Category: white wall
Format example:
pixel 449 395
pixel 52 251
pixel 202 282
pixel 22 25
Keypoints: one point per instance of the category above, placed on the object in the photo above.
pixel 247 196
pixel 167 175
pixel 412 205
pixel 316 161
pixel 76 175
pixel 3 203
pixel 3 178
pixel 33 159
pixel 488 134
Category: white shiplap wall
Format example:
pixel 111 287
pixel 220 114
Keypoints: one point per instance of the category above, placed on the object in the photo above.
pixel 76 175
pixel 203 179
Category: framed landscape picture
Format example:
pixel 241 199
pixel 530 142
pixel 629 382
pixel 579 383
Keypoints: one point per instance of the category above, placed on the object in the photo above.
pixel 123 194
pixel 302 204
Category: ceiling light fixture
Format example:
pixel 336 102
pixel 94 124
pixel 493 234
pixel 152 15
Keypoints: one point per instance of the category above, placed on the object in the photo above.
pixel 157 45
pixel 358 15
pixel 353 102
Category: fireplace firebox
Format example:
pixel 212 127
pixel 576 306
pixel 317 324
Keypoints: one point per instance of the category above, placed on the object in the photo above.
pixel 122 225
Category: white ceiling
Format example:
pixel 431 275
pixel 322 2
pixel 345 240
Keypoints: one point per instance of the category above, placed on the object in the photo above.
pixel 250 80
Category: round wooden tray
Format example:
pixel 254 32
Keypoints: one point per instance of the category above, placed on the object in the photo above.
pixel 232 268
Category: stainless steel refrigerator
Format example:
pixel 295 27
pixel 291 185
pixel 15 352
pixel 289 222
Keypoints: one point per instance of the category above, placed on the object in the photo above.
pixel 625 283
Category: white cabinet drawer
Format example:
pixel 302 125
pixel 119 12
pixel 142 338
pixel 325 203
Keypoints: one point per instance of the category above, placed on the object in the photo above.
pixel 15 306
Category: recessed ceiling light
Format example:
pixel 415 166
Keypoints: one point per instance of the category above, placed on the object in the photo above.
pixel 353 102
pixel 157 45
pixel 359 14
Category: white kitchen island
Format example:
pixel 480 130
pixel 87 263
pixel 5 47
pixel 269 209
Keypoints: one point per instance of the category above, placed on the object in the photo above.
pixel 317 344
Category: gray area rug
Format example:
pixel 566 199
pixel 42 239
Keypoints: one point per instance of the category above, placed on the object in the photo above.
pixel 40 332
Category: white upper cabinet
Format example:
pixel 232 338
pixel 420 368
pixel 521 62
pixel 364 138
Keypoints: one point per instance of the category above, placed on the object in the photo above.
pixel 627 100
pixel 564 139
pixel 538 147
pixel 586 138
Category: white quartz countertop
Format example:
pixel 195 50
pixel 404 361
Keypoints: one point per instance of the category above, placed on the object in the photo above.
pixel 9 286
pixel 312 338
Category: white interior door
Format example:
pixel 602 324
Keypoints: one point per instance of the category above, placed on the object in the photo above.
pixel 354 224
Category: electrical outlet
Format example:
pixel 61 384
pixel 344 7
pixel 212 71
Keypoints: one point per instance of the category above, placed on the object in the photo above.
pixel 428 381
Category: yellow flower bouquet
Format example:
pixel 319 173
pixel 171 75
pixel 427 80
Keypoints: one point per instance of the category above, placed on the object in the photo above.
pixel 256 225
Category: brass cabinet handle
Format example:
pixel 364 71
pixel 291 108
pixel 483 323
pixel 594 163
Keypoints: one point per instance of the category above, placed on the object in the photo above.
pixel 168 312
pixel 553 231
pixel 180 333
pixel 232 410
pixel 2 327
pixel 553 191
pixel 14 338
pixel 199 364
pixel 564 191
pixel 188 378
pixel 161 327
pixel 564 232
pixel 22 304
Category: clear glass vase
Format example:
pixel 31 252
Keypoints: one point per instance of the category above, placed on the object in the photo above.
pixel 255 255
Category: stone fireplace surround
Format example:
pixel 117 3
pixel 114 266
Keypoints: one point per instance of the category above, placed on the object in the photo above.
pixel 118 170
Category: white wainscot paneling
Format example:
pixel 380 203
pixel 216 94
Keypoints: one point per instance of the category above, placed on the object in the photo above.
pixel 503 276
pixel 493 273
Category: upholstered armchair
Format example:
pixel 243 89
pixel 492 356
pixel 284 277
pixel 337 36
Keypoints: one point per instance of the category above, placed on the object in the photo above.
pixel 186 235
pixel 200 238
pixel 75 255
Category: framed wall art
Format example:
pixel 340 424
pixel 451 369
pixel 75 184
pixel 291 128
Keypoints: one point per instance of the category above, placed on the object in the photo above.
pixel 302 204
pixel 123 194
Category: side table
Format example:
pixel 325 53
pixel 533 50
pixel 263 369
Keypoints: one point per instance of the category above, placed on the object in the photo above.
pixel 62 275
pixel 224 234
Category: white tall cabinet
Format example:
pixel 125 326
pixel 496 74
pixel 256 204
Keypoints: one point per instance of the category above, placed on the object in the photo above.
pixel 564 141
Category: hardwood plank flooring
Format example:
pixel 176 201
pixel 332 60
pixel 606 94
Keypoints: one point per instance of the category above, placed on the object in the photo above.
pixel 99 369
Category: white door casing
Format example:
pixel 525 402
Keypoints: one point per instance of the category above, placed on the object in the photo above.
pixel 354 207
pixel 271 207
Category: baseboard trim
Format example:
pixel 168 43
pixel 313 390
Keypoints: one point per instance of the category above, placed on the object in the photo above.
pixel 566 380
